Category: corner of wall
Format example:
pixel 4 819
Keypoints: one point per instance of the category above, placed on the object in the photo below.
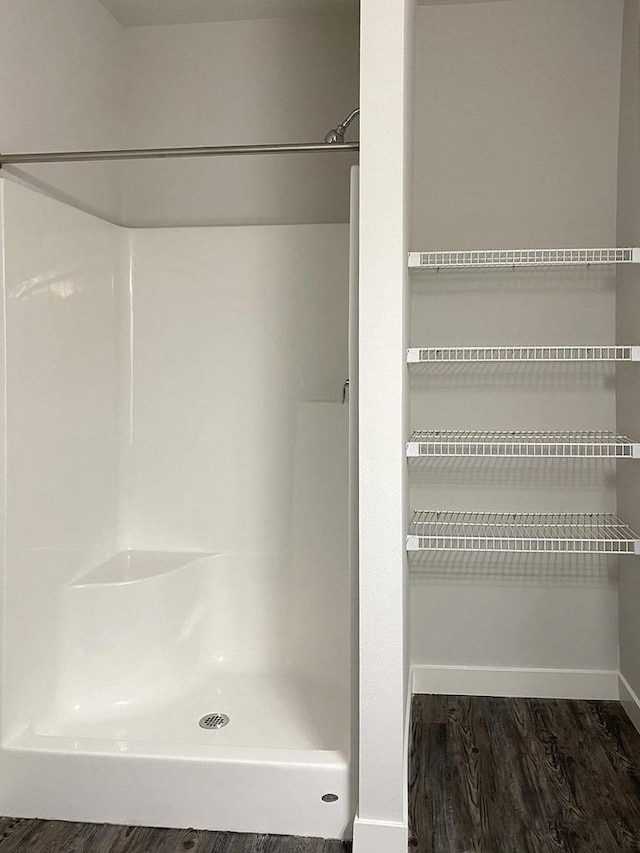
pixel 628 328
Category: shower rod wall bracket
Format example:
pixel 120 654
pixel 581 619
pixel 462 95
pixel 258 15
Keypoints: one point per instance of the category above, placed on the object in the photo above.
pixel 336 134
pixel 170 153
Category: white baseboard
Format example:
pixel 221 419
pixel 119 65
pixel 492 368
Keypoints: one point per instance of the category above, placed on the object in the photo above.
pixel 630 701
pixel 376 836
pixel 505 681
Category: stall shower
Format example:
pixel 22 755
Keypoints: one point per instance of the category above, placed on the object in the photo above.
pixel 177 570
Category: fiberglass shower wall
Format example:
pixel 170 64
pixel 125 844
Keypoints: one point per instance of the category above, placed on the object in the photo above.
pixel 238 435
pixel 62 316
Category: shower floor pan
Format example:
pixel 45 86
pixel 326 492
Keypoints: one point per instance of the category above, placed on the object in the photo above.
pixel 266 771
pixel 265 711
pixel 121 742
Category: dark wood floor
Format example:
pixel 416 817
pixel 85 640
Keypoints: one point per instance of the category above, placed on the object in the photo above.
pixel 18 835
pixel 523 776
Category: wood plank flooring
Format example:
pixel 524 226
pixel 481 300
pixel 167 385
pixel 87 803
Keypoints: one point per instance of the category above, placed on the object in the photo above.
pixel 523 776
pixel 18 835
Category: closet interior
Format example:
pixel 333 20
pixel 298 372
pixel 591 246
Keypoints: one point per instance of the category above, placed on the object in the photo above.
pixel 523 352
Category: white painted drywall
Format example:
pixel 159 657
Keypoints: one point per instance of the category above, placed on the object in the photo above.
pixel 516 146
pixel 628 326
pixel 381 822
pixel 61 88
pixel 516 123
pixel 137 13
pixel 73 78
pixel 233 83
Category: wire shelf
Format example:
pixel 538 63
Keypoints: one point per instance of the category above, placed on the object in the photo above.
pixel 422 355
pixel 518 443
pixel 469 259
pixel 551 533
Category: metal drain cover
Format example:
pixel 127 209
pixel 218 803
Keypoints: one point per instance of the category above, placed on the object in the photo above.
pixel 213 721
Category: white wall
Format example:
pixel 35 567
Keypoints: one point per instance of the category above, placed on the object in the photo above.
pixel 381 822
pixel 72 78
pixel 62 316
pixel 516 123
pixel 240 82
pixel 136 13
pixel 516 146
pixel 61 88
pixel 628 327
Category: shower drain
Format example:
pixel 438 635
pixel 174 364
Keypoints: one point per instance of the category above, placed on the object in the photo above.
pixel 213 721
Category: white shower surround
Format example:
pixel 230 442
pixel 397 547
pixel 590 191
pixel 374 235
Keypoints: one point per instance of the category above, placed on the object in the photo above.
pixel 171 395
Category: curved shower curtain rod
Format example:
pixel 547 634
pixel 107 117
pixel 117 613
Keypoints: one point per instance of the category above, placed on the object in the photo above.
pixel 167 153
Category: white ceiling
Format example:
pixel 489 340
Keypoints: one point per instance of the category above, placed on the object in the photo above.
pixel 136 13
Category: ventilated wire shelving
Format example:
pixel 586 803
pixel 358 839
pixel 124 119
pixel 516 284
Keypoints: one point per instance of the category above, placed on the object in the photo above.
pixel 549 533
pixel 470 259
pixel 448 355
pixel 520 443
